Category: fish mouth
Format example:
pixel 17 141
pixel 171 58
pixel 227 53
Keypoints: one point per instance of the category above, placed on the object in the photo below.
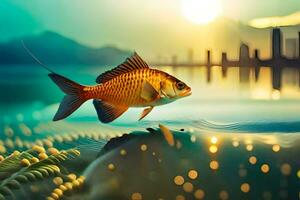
pixel 186 93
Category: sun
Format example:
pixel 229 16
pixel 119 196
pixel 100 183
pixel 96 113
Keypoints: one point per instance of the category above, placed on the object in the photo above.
pixel 201 11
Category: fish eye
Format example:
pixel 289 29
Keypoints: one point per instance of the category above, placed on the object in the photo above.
pixel 180 85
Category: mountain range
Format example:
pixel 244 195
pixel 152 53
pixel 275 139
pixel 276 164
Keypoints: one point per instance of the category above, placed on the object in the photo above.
pixel 53 48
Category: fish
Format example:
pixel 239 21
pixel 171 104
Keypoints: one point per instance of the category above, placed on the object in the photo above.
pixel 131 84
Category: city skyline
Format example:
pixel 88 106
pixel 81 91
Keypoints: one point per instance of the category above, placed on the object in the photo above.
pixel 245 62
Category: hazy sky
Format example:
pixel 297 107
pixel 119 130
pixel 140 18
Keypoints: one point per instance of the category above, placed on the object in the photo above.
pixel 132 24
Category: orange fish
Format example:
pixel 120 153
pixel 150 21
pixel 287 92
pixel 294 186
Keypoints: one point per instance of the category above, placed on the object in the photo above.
pixel 131 84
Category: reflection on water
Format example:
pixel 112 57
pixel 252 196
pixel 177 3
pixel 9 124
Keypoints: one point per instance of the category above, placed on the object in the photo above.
pixel 235 87
pixel 30 83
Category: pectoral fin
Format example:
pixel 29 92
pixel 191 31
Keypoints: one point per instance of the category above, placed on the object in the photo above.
pixel 108 112
pixel 145 112
pixel 149 93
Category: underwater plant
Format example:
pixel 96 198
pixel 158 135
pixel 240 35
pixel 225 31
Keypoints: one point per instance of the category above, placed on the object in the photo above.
pixel 21 168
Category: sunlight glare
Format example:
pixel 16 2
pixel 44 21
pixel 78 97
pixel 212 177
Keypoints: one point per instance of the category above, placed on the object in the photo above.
pixel 201 11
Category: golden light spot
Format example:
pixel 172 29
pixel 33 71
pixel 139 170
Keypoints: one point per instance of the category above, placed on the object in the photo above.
pixel 111 167
pixel 213 149
pixel 25 162
pixel 72 177
pixel 276 147
pixel 75 183
pixel 199 194
pixel 188 187
pixel 38 149
pixel 34 160
pixel 144 147
pixel 68 185
pixel 245 187
pixel 298 173
pixel 253 160
pixel 81 179
pixel 235 143
pixel 1 158
pixel 193 174
pixel 286 169
pixel 57 191
pixel 54 195
pixel 58 181
pixel 265 168
pixel 223 195
pixel 214 140
pixel 62 187
pixel 53 151
pixel 178 180
pixel 43 156
pixel 249 147
pixel 180 197
pixel 15 153
pixel 214 165
pixel 123 152
pixel 136 196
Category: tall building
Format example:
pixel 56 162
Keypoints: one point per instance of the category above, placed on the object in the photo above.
pixel 276 43
pixel 244 64
pixel 291 48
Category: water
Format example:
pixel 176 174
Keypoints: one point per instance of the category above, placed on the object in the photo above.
pixel 225 123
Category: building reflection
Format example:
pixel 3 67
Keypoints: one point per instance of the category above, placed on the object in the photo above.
pixel 246 64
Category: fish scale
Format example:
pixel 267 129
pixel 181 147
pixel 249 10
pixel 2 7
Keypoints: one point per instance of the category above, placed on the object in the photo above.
pixel 127 87
pixel 126 90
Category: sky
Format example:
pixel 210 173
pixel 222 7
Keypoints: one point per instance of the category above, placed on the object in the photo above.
pixel 154 28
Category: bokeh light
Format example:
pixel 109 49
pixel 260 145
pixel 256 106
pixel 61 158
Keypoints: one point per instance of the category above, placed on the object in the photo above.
pixel 214 165
pixel 276 147
pixel 188 187
pixel 178 180
pixel 249 147
pixel 253 160
pixel 245 187
pixel 199 194
pixel 136 196
pixel 193 174
pixel 224 195
pixel 265 168
pixel 214 140
pixel 144 147
pixel 213 149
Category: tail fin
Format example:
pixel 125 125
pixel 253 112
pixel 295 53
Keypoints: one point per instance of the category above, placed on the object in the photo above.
pixel 73 98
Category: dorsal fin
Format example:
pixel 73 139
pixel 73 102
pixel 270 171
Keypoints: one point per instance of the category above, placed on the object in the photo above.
pixel 132 63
